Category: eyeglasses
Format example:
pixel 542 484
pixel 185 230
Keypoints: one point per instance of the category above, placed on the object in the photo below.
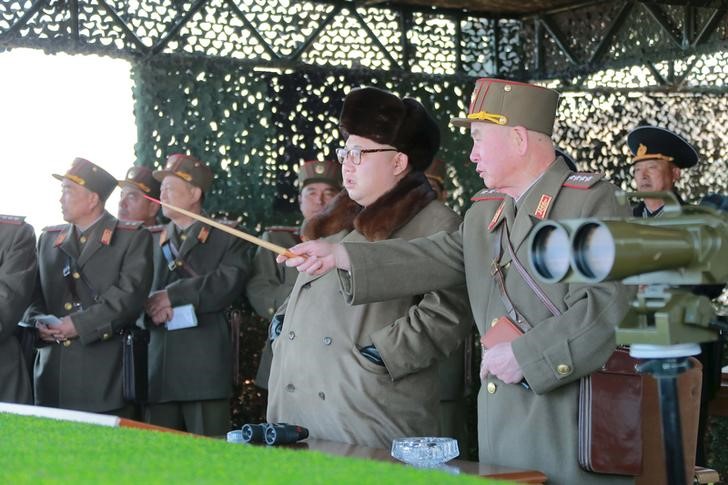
pixel 354 154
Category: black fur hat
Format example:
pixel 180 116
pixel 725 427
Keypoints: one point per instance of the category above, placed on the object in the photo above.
pixel 385 118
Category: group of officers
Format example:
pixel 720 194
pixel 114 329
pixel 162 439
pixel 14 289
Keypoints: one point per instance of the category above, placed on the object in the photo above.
pixel 375 350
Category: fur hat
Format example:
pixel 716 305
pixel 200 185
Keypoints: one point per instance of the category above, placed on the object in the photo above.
pixel 385 118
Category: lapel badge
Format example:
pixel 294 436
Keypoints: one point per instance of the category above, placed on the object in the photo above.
pixel 496 216
pixel 202 235
pixel 543 206
pixel 59 240
pixel 106 236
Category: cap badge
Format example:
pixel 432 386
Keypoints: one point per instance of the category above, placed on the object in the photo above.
pixel 319 168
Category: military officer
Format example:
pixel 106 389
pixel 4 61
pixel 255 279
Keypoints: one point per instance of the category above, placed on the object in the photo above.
pixel 133 206
pixel 350 373
pixel 17 278
pixel 536 428
pixel 658 158
pixel 94 277
pixel 198 272
pixel 270 283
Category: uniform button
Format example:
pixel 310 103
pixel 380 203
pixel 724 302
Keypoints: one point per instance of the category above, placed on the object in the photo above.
pixel 66 343
pixel 68 306
pixel 493 322
pixel 105 336
pixel 290 388
pixel 563 369
pixel 82 239
pixel 179 264
pixel 327 340
pixel 76 275
pixel 508 265
pixel 491 388
pixel 507 88
pixel 183 237
pixel 291 335
pixel 322 396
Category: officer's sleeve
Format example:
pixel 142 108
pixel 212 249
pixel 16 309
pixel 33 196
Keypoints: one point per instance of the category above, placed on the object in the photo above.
pixel 17 278
pixel 266 290
pixel 214 291
pixel 430 331
pixel 395 268
pixel 123 301
pixel 564 348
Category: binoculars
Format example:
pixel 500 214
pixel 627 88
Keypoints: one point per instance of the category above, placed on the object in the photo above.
pixel 273 433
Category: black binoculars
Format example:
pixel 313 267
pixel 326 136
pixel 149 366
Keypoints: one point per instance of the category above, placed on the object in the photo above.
pixel 273 433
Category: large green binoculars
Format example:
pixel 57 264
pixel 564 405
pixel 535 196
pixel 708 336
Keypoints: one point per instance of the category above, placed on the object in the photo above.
pixel 685 246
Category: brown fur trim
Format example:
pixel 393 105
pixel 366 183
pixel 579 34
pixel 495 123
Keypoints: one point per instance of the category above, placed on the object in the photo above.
pixel 378 221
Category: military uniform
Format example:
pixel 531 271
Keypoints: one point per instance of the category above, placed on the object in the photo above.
pixel 190 368
pixel 113 257
pixel 520 428
pixel 17 278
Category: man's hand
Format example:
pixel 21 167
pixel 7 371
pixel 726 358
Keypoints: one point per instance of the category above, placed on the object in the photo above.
pixel 162 316
pixel 157 301
pixel 501 362
pixel 58 333
pixel 317 257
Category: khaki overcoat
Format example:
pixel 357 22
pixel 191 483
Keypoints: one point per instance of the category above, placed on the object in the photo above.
pixel 520 428
pixel 194 364
pixel 114 258
pixel 17 278
pixel 320 380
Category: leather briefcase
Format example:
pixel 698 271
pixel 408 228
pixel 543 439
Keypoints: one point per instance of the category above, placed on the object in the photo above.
pixel 135 343
pixel 610 417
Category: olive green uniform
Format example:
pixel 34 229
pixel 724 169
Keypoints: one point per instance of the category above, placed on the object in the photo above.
pixel 520 428
pixel 190 374
pixel 17 277
pixel 114 258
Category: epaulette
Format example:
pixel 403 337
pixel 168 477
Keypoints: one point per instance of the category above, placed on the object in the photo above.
pixel 488 194
pixel 156 229
pixel 129 225
pixel 291 229
pixel 582 180
pixel 17 220
pixel 58 228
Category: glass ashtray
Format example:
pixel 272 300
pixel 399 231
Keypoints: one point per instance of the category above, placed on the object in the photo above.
pixel 425 452
pixel 235 436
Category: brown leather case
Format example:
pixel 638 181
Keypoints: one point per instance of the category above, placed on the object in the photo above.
pixel 503 330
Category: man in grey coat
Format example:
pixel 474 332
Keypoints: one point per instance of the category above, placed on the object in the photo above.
pixel 511 125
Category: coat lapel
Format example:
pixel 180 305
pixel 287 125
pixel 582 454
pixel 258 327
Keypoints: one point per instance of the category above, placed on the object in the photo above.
pixel 537 203
pixel 97 236
pixel 68 243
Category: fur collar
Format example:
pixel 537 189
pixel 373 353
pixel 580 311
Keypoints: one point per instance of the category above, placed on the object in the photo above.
pixel 378 221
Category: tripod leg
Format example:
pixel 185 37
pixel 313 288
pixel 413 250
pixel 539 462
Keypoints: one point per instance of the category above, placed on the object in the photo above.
pixel 671 430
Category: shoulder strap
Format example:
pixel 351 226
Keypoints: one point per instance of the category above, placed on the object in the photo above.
pixel 497 272
pixel 174 263
pixel 530 281
pixel 71 273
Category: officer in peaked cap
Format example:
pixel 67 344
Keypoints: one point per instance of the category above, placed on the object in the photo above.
pixel 94 277
pixel 511 125
pixel 201 269
pixel 133 206
pixel 270 283
pixel 658 155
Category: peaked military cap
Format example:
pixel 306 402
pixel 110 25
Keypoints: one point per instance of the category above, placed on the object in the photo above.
pixel 188 169
pixel 313 171
pixel 91 177
pixel 655 143
pixel 390 120
pixel 140 177
pixel 510 103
